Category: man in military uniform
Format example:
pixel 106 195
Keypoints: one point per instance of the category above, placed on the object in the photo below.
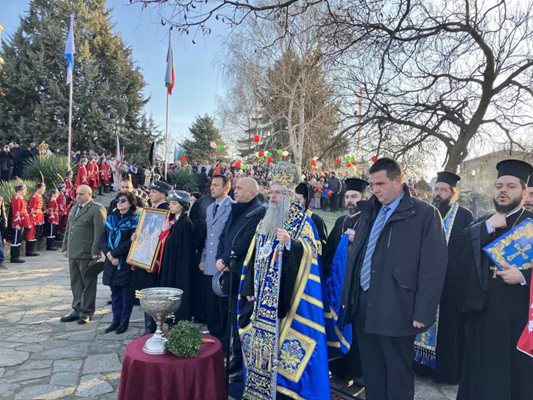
pixel 20 220
pixel 35 209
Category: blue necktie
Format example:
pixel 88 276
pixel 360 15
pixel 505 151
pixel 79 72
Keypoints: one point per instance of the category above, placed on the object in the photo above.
pixel 371 246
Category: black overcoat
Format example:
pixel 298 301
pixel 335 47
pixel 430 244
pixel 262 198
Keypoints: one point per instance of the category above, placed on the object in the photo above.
pixel 408 267
pixel 112 276
pixel 178 258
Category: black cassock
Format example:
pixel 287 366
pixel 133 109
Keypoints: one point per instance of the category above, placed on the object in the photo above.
pixel 498 312
pixel 178 256
pixel 451 332
pixel 349 366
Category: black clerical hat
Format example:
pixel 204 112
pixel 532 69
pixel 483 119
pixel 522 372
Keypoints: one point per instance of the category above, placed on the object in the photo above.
pixel 359 185
pixel 448 177
pixel 517 168
pixel 303 189
pixel 160 186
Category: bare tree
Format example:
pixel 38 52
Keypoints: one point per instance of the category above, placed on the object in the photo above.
pixel 449 72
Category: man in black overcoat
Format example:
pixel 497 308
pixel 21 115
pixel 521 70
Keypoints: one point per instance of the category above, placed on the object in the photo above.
pixel 394 278
pixel 237 236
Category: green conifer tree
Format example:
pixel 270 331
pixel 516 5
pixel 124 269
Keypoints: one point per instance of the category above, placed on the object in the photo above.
pixel 108 86
pixel 203 133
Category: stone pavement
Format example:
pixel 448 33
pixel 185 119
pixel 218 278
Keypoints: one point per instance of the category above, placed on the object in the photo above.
pixel 43 358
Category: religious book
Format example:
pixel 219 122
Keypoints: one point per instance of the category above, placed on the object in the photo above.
pixel 514 248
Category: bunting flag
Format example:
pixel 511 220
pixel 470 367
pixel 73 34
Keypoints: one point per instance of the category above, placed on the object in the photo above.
pixel 117 150
pixel 70 49
pixel 169 75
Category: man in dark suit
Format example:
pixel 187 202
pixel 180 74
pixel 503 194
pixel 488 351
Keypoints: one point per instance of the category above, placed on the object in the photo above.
pixel 396 270
pixel 81 245
pixel 236 237
pixel 124 187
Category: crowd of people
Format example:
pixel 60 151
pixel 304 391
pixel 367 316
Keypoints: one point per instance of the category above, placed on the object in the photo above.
pixel 260 269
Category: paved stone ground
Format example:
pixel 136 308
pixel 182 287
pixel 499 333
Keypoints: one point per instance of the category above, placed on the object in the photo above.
pixel 43 358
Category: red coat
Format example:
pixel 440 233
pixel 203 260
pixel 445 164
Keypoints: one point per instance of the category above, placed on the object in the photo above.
pixel 35 209
pixel 19 213
pixel 105 173
pixel 81 178
pixel 94 175
pixel 52 212
pixel 62 204
pixel 69 189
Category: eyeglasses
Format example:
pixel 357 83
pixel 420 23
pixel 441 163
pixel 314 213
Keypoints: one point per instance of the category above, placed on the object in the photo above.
pixel 79 194
pixel 122 200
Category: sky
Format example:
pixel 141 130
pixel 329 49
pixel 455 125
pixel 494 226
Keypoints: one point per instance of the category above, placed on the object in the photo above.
pixel 198 81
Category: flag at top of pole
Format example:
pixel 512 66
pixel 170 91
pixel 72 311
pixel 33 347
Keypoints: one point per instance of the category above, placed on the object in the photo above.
pixel 169 75
pixel 70 49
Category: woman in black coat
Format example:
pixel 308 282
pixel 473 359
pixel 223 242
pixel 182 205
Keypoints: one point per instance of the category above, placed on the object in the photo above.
pixel 178 251
pixel 116 241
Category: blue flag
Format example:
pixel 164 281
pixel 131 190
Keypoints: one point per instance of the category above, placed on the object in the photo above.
pixel 70 49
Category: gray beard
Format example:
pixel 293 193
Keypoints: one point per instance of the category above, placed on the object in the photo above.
pixel 274 219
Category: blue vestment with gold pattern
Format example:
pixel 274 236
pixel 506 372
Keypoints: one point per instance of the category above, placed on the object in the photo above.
pixel 297 365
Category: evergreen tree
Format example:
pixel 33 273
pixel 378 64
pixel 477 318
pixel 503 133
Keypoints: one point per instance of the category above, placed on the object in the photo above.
pixel 108 86
pixel 203 133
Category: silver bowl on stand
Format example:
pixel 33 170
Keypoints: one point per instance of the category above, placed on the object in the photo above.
pixel 160 303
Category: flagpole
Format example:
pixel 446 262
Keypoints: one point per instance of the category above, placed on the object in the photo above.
pixel 69 151
pixel 166 140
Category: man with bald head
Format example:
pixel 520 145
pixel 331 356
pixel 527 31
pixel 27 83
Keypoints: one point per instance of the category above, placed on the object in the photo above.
pixel 81 245
pixel 236 237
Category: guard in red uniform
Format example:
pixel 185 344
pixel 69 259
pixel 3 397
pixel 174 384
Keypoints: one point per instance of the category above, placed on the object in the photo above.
pixel 70 193
pixel 20 220
pixel 105 174
pixel 94 176
pixel 82 178
pixel 52 219
pixel 63 210
pixel 35 209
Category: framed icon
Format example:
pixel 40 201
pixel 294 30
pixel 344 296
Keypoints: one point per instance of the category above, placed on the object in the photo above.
pixel 144 249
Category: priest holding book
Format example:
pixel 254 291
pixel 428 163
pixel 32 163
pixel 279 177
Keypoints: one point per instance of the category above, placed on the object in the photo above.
pixel 496 258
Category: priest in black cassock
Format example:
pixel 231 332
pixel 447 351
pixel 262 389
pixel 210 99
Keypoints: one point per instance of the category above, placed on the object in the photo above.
pixel 442 357
pixel 349 366
pixel 497 301
pixel 528 205
pixel 304 194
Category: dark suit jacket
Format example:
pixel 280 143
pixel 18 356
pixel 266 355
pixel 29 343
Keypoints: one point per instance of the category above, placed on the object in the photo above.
pixel 408 267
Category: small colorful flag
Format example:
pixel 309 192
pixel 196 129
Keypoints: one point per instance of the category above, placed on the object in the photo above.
pixel 169 75
pixel 70 49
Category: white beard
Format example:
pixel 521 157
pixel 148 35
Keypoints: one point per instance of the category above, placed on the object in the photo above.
pixel 273 218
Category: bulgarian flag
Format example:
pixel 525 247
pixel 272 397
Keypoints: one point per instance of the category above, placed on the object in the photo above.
pixel 169 75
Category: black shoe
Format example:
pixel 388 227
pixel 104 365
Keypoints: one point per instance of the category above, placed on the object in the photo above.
pixel 235 365
pixel 121 329
pixel 111 328
pixel 16 261
pixel 83 320
pixel 109 302
pixel 50 244
pixel 30 249
pixel 69 318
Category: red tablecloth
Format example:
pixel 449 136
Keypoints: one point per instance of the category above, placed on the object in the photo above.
pixel 149 377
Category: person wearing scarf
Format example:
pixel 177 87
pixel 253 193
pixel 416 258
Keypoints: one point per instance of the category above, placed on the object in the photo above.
pixel 116 241
pixel 177 253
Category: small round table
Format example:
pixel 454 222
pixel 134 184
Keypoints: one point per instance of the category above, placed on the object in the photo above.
pixel 162 377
